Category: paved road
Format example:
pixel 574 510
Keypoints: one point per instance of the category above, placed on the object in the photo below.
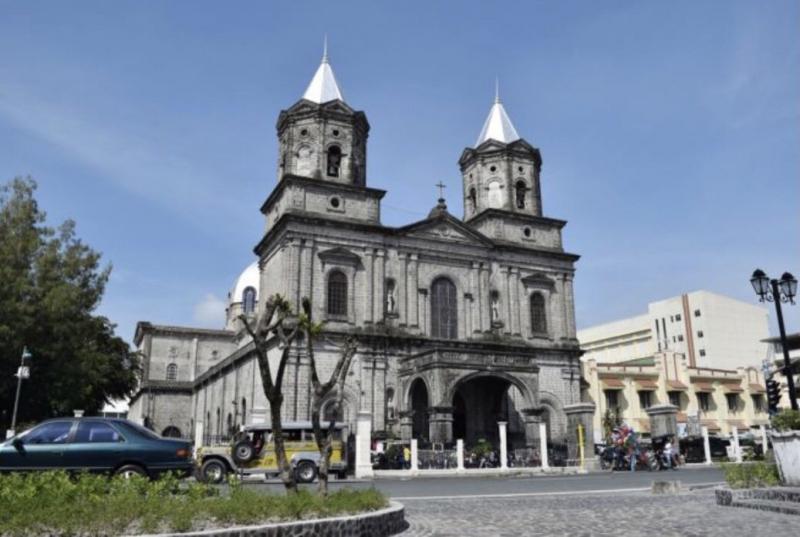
pixel 483 486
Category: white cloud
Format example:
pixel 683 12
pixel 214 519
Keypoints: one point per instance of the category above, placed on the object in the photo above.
pixel 210 312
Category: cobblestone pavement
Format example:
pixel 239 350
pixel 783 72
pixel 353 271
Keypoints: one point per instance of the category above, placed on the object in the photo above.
pixel 692 514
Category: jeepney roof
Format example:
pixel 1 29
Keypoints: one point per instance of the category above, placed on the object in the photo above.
pixel 291 426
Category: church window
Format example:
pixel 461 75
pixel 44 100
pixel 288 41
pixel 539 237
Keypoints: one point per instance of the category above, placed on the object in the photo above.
pixel 495 197
pixel 520 194
pixel 473 199
pixel 304 132
pixel 527 232
pixel 520 169
pixel 336 132
pixel 444 314
pixel 334 160
pixel 538 315
pixel 249 300
pixel 335 202
pixel 337 293
pixel 493 169
pixel 172 372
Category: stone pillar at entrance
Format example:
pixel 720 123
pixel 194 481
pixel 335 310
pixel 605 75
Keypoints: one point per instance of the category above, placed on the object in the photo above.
pixel 363 441
pixel 532 418
pixel 406 425
pixel 503 444
pixel 582 414
pixel 663 420
pixel 440 419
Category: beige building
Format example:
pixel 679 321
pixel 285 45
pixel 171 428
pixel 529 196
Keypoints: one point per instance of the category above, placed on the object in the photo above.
pixel 720 399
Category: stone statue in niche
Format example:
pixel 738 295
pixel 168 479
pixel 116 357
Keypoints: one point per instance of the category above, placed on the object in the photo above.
pixel 391 301
pixel 495 309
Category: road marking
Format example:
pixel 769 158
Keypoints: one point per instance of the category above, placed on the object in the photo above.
pixel 531 494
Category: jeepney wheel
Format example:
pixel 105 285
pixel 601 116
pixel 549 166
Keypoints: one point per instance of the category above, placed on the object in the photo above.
pixel 306 471
pixel 214 471
pixel 243 451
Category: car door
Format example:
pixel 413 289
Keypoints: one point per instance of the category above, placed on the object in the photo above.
pixel 41 448
pixel 96 446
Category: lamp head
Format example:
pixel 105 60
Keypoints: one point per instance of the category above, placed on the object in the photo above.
pixel 760 283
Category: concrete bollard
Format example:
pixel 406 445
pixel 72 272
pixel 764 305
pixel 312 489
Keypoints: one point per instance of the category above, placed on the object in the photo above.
pixel 460 454
pixel 706 444
pixel 502 425
pixel 543 445
pixel 414 458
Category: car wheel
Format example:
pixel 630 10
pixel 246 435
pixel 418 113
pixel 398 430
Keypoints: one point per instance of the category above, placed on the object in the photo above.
pixel 214 471
pixel 243 451
pixel 130 470
pixel 306 472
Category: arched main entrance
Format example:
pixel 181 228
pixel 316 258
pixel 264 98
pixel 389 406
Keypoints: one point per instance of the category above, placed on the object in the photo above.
pixel 419 404
pixel 479 403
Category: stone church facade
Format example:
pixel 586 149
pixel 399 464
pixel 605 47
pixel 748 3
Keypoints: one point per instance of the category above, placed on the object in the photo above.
pixel 461 322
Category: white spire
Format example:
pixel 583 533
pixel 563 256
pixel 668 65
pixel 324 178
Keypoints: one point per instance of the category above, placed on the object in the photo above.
pixel 498 125
pixel 323 86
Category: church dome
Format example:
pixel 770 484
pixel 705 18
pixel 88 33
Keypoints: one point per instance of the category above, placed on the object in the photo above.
pixel 250 277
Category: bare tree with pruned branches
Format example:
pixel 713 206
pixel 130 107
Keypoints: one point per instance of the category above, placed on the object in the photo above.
pixel 275 320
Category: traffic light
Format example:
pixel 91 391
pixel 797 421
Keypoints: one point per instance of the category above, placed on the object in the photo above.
pixel 773 396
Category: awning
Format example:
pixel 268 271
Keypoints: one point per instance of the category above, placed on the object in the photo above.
pixel 703 387
pixel 757 388
pixel 711 425
pixel 732 387
pixel 612 384
pixel 646 385
pixel 676 385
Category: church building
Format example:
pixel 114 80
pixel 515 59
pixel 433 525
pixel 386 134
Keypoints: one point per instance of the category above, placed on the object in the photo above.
pixel 461 323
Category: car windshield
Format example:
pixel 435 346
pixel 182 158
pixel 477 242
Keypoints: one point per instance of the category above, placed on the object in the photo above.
pixel 144 431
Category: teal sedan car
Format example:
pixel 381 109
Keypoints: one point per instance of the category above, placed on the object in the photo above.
pixel 113 446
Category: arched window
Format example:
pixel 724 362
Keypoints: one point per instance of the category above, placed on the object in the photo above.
pixel 337 293
pixel 334 160
pixel 171 432
pixel 172 372
pixel 473 199
pixel 520 194
pixel 444 310
pixel 538 314
pixel 249 300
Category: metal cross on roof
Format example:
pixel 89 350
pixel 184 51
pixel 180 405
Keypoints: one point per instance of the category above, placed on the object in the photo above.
pixel 441 188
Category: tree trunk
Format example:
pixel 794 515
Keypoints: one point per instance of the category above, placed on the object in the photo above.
pixel 286 473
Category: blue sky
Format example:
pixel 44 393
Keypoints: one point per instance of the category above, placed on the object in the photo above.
pixel 669 131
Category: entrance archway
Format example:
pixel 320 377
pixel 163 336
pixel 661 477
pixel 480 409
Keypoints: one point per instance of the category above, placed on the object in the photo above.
pixel 171 432
pixel 419 404
pixel 480 402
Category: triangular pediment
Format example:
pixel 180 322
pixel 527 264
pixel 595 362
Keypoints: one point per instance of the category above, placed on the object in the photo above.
pixel 445 228
pixel 340 256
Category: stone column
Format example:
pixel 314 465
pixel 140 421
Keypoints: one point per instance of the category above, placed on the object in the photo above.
pixel 363 440
pixel 402 290
pixel 532 418
pixel 413 292
pixel 294 281
pixel 414 455
pixel 369 291
pixel 485 300
pixel 440 424
pixel 663 420
pixel 515 309
pixel 379 296
pixel 460 454
pixel 474 286
pixel 406 425
pixel 570 301
pixel 706 444
pixel 543 445
pixel 425 325
pixel 306 270
pixel 502 431
pixel 198 434
pixel 506 311
pixel 582 414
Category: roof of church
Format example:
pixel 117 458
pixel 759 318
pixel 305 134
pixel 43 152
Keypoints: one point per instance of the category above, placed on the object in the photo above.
pixel 498 125
pixel 323 87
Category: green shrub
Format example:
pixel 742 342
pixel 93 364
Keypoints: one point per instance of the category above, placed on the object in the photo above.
pixel 751 474
pixel 787 420
pixel 55 503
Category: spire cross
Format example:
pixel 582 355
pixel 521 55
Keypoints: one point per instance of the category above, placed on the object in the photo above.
pixel 441 188
pixel 497 89
pixel 325 49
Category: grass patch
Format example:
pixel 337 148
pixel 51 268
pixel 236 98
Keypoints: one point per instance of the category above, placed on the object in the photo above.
pixel 55 503
pixel 751 475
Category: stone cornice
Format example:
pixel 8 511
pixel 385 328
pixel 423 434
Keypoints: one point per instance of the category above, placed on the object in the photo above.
pixel 145 327
pixel 289 179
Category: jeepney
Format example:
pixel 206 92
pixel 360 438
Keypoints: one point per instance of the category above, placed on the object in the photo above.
pixel 252 452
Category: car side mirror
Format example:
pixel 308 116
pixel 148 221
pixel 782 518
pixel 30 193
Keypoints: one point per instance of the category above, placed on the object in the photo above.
pixel 17 443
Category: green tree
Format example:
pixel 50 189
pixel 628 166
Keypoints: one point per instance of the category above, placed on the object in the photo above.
pixel 50 285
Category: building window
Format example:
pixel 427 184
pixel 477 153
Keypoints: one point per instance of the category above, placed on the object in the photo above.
pixel 680 337
pixel 702 352
pixel 473 200
pixel 733 402
pixel 520 194
pixel 612 400
pixel 337 293
pixel 678 317
pixel 697 313
pixel 758 403
pixel 675 399
pixel 538 314
pixel 172 372
pixel 703 401
pixel 645 399
pixel 249 300
pixel 699 333
pixel 671 318
pixel 444 313
pixel 334 160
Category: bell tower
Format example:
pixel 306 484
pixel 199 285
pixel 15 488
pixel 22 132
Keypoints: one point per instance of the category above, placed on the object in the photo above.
pixel 501 171
pixel 320 136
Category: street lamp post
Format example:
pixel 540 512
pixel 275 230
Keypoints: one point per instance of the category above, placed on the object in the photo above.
pixel 22 373
pixel 777 291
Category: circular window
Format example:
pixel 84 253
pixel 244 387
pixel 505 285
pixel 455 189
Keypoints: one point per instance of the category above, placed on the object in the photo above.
pixel 527 232
pixel 520 169
pixel 335 203
pixel 493 169
pixel 304 132
pixel 336 132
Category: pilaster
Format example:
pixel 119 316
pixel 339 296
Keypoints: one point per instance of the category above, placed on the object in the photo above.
pixel 369 291
pixel 413 318
pixel 379 296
